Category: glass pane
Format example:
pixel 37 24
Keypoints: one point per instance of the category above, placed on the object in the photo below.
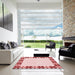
pixel 1 15
pixel 0 9
pixel 6 11
pixel 38 26
pixel 41 23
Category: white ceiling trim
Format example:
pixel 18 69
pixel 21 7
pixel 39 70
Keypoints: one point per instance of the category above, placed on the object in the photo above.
pixel 32 1
pixel 39 6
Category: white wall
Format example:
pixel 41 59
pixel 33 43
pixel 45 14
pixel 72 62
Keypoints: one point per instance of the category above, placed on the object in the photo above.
pixel 6 35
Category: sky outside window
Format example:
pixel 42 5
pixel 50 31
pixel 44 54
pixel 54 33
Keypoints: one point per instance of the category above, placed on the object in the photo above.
pixel 41 22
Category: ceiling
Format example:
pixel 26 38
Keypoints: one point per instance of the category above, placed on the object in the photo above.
pixel 34 4
pixel 51 1
pixel 42 4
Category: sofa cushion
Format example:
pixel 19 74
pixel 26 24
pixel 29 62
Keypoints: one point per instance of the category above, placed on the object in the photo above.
pixel 17 51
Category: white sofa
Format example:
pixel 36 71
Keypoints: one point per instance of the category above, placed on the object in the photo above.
pixel 9 55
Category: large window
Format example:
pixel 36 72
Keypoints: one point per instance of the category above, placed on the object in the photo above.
pixel 40 24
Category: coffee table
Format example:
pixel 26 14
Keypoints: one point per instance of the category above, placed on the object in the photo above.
pixel 41 53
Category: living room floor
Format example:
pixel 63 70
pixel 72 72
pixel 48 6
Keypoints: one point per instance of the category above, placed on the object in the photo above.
pixel 68 64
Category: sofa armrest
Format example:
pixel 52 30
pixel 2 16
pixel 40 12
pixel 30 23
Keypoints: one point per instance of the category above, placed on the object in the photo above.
pixel 63 47
pixel 6 57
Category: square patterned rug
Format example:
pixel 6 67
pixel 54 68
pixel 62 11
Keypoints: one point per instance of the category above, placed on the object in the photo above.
pixel 37 63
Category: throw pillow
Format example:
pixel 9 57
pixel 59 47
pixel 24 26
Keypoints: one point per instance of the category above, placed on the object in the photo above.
pixel 13 44
pixel 3 45
pixel 9 46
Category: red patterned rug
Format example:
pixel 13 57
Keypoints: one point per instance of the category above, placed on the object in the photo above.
pixel 37 63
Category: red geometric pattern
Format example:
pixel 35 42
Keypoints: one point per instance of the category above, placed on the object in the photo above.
pixel 37 63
